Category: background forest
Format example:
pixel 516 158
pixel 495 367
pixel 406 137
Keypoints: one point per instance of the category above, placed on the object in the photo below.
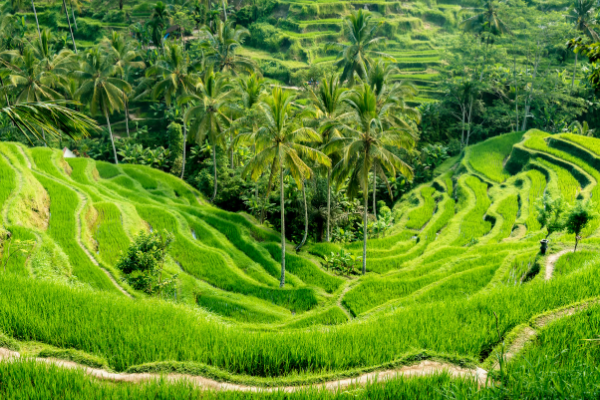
pixel 192 88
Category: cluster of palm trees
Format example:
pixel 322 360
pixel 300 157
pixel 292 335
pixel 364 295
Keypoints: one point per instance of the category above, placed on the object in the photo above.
pixel 347 130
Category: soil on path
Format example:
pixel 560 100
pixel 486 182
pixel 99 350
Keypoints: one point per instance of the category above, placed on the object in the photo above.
pixel 421 369
pixel 551 261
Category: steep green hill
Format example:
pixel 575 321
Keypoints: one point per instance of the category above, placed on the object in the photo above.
pixel 459 273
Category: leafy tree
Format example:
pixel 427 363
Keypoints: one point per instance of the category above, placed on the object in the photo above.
pixel 577 219
pixel 550 214
pixel 279 144
pixel 207 117
pixel 100 88
pixel 354 57
pixel 144 262
pixel 367 146
pixel 581 13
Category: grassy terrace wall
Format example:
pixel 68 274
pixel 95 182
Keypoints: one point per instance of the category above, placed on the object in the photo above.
pixel 462 248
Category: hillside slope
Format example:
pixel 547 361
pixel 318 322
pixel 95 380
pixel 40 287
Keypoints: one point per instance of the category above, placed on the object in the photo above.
pixel 463 252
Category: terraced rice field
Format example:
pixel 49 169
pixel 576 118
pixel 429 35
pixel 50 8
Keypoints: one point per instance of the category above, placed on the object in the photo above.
pixel 463 251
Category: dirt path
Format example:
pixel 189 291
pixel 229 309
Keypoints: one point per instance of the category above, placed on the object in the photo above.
pixel 421 369
pixel 530 332
pixel 551 261
pixel 349 286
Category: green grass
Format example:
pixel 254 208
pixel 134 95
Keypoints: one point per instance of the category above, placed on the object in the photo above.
pixel 536 191
pixel 418 217
pixel 488 157
pixel 474 226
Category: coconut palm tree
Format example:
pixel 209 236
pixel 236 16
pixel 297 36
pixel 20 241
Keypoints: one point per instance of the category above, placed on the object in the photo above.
pixel 327 99
pixel 69 23
pixel 221 48
pixel 176 80
pixel 35 119
pixel 32 82
pixel 581 13
pixel 100 89
pixel 208 114
pixel 158 22
pixel 354 57
pixel 125 56
pixel 279 145
pixel 486 21
pixel 367 146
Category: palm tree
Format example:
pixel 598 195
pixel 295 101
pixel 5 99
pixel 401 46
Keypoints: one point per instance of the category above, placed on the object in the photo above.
pixel 221 48
pixel 328 101
pixel 279 145
pixel 486 21
pixel 158 22
pixel 33 83
pixel 53 117
pixel 100 88
pixel 176 80
pixel 582 15
pixel 367 146
pixel 207 118
pixel 124 55
pixel 354 56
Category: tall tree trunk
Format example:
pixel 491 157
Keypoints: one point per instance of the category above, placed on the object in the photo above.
pixel 365 218
pixel 469 119
pixel 305 218
pixel 231 149
pixel 516 93
pixel 528 99
pixel 262 212
pixel 126 114
pixel 224 10
pixel 112 140
pixel 69 22
pixel 574 71
pixel 282 228
pixel 73 13
pixel 328 201
pixel 184 149
pixel 374 191
pixel 462 127
pixel 215 171
pixel 36 20
pixel 120 4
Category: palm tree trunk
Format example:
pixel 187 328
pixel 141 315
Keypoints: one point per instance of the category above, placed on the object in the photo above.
pixel 71 29
pixel 36 20
pixel 215 171
pixel 574 71
pixel 126 114
pixel 305 218
pixel 184 155
pixel 73 13
pixel 44 137
pixel 112 140
pixel 262 212
pixel 224 10
pixel 374 192
pixel 328 201
pixel 282 228
pixel 365 218
pixel 231 150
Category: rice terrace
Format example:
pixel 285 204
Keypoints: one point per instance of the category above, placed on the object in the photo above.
pixel 300 199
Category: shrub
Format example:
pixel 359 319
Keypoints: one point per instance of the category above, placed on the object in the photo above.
pixel 143 264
